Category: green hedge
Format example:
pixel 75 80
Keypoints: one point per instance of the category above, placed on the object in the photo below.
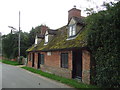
pixel 104 43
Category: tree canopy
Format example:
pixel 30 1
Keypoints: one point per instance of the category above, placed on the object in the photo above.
pixel 10 42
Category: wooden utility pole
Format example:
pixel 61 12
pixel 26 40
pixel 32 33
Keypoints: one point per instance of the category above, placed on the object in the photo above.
pixel 19 40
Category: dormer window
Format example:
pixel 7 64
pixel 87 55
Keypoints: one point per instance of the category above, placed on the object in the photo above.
pixel 46 38
pixel 72 30
pixel 36 40
pixel 49 34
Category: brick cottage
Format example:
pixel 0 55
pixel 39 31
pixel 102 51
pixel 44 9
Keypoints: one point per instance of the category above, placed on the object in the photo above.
pixel 63 51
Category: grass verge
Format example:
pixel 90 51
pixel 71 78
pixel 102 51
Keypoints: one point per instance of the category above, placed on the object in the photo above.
pixel 10 62
pixel 67 81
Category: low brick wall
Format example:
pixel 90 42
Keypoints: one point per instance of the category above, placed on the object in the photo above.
pixel 29 64
pixel 4 58
pixel 57 71
pixel 13 59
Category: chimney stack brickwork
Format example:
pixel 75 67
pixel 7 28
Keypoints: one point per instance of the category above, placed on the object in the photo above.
pixel 74 13
pixel 43 29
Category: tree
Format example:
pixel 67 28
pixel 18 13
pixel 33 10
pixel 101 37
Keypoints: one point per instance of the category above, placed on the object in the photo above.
pixel 89 11
pixel 10 42
pixel 10 45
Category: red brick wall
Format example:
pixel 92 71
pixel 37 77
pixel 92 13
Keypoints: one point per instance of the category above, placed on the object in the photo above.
pixel 55 59
pixel 85 67
pixel 43 29
pixel 74 13
pixel 52 64
pixel 29 64
pixel 36 60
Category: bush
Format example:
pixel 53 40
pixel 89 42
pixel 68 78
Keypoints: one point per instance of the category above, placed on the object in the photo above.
pixel 104 43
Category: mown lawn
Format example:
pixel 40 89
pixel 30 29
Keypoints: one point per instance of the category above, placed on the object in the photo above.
pixel 10 62
pixel 67 81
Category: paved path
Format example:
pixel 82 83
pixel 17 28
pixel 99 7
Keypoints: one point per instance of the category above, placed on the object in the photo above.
pixel 15 77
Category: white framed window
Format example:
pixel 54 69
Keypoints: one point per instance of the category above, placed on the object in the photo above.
pixel 36 39
pixel 72 30
pixel 46 38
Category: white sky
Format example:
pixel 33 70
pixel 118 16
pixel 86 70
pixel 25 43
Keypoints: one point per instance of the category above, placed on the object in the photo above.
pixel 53 13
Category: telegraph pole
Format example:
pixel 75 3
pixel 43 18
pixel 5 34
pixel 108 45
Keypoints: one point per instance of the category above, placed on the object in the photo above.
pixel 19 31
pixel 19 41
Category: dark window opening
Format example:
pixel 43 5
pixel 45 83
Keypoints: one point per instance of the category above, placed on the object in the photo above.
pixel 42 59
pixel 64 60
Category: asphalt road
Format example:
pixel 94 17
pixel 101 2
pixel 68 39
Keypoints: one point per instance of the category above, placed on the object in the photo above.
pixel 0 76
pixel 15 77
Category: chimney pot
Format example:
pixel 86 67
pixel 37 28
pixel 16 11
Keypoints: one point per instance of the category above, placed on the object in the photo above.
pixel 74 6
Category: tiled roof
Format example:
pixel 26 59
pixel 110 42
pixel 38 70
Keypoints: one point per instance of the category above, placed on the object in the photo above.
pixel 60 41
pixel 78 20
pixel 52 32
pixel 40 36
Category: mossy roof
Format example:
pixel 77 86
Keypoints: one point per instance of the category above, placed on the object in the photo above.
pixel 60 41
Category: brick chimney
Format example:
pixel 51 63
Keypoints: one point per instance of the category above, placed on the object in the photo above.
pixel 43 29
pixel 74 13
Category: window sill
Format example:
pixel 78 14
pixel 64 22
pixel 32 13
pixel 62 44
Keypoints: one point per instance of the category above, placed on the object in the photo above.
pixel 72 37
pixel 45 43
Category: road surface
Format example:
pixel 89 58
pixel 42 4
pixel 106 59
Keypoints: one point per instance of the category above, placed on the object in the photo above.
pixel 15 77
pixel 0 76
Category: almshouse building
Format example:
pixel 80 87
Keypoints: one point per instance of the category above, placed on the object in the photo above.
pixel 63 51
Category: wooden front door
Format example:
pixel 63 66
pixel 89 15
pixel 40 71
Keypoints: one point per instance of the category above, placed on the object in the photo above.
pixel 77 64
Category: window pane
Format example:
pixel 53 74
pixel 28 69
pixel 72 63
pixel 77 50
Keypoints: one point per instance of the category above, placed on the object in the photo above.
pixel 42 59
pixel 70 30
pixel 46 38
pixel 64 60
pixel 74 28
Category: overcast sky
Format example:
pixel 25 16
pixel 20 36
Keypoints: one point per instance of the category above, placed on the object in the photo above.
pixel 53 13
